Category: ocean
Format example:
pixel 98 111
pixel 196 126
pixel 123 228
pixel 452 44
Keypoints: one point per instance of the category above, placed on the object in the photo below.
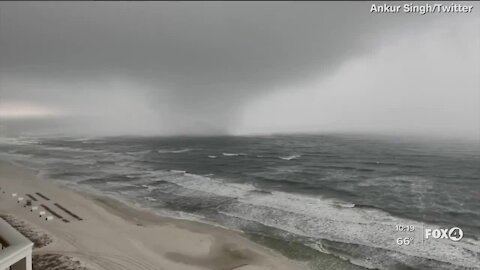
pixel 329 201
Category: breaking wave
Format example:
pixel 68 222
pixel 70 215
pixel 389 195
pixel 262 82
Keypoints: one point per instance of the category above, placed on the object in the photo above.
pixel 290 157
pixel 174 151
pixel 233 154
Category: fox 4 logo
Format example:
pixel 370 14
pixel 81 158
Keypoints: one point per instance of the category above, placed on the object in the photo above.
pixel 454 234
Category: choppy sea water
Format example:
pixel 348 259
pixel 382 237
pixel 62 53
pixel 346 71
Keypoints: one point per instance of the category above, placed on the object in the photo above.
pixel 330 201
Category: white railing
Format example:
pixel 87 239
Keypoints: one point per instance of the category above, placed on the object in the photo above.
pixel 17 255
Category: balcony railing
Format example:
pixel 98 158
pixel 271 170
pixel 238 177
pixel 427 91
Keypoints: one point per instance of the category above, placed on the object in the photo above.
pixel 16 250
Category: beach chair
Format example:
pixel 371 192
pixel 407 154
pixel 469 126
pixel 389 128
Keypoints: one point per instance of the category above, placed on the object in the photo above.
pixel 14 194
pixel 41 213
pixel 20 199
pixel 34 208
pixel 48 218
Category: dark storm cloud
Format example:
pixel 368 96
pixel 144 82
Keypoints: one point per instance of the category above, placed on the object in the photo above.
pixel 187 45
pixel 200 60
pixel 180 42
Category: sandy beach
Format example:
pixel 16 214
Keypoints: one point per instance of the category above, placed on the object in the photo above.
pixel 108 234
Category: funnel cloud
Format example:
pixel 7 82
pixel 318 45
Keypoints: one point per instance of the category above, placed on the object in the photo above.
pixel 197 68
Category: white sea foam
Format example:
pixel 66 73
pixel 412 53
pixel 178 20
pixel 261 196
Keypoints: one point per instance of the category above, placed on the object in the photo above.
pixel 139 152
pixel 212 156
pixel 70 149
pixel 84 139
pixel 233 154
pixel 204 184
pixel 173 151
pixel 290 157
pixel 372 228
pixel 319 218
pixel 18 141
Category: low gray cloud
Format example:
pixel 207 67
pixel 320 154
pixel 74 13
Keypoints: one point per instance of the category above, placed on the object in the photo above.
pixel 178 67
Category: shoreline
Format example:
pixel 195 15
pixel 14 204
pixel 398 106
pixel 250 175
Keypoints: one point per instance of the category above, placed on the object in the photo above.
pixel 148 240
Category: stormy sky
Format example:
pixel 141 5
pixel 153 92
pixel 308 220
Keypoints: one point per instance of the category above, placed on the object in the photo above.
pixel 191 68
